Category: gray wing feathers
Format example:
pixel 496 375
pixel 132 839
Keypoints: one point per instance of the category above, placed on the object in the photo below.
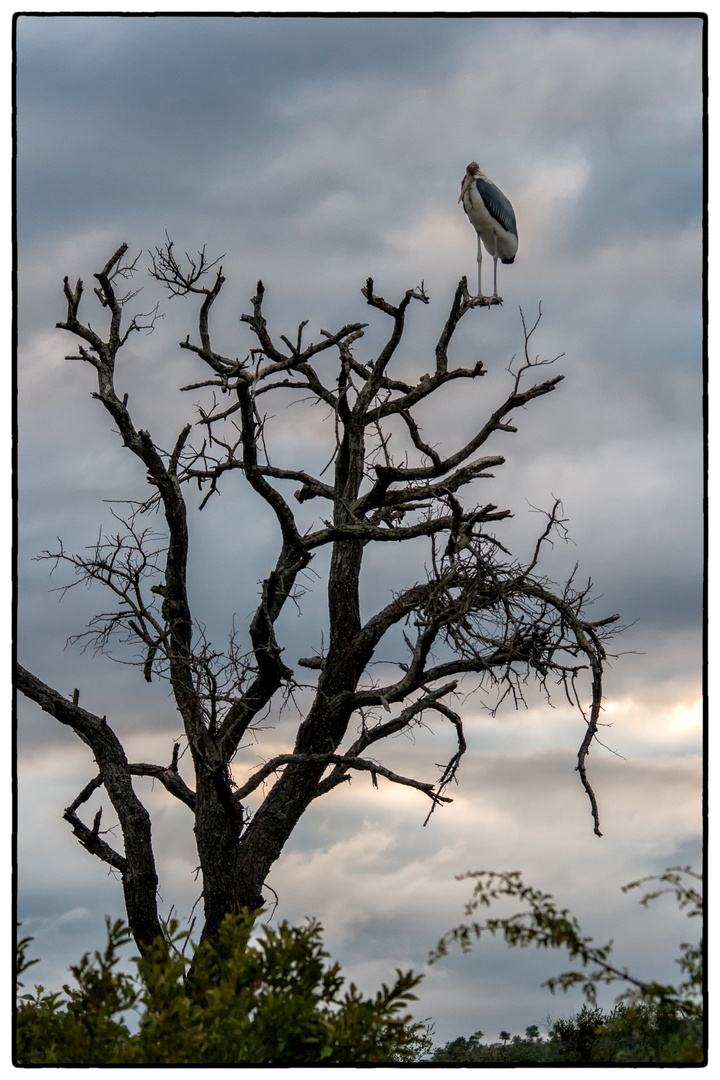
pixel 497 204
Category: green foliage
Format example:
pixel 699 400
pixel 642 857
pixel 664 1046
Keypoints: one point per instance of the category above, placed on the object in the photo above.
pixel 459 1049
pixel 651 1023
pixel 577 1039
pixel 654 1034
pixel 85 1028
pixel 272 1000
pixel 629 1034
pixel 530 1050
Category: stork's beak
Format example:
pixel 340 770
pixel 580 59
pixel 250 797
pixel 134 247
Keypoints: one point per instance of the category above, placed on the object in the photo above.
pixel 467 182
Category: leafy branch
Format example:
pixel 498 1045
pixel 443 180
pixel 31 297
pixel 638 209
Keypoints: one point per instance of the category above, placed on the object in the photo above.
pixel 546 925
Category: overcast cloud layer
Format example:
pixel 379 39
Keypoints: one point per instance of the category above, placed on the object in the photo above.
pixel 313 153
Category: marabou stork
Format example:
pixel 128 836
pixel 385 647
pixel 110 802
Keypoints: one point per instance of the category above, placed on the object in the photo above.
pixel 493 217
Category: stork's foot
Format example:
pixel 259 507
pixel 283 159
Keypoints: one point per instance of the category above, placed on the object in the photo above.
pixel 485 301
pixel 480 300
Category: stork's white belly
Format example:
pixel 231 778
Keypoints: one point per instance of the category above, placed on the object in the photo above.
pixel 488 228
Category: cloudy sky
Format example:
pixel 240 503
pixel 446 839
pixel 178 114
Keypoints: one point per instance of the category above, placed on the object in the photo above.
pixel 313 153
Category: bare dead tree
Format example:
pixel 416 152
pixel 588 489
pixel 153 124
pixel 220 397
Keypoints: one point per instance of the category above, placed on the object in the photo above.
pixel 476 610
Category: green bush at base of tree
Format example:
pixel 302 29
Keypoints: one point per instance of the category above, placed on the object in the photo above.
pixel 273 1000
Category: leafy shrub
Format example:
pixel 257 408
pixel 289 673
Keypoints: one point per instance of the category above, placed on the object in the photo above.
pixel 273 1000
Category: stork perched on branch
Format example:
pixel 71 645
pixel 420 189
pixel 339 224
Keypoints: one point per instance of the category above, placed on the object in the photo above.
pixel 494 220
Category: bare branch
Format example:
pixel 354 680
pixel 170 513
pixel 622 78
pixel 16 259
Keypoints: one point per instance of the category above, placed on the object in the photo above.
pixel 170 779
pixel 345 761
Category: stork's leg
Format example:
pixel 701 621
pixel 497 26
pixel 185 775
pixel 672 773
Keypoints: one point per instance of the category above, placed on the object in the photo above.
pixel 495 259
pixel 479 262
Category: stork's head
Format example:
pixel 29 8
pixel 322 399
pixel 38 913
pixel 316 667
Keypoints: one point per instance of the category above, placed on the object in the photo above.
pixel 473 170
